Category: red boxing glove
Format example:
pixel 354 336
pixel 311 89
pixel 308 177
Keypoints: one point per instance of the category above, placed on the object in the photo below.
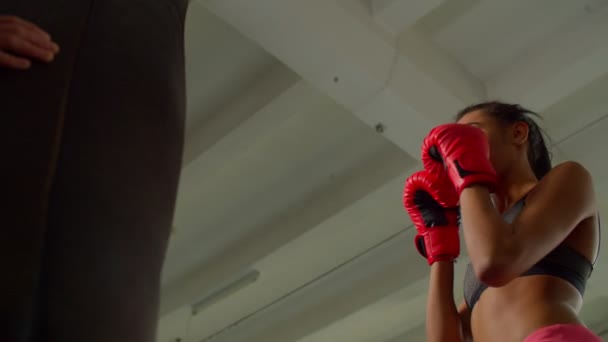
pixel 461 150
pixel 431 203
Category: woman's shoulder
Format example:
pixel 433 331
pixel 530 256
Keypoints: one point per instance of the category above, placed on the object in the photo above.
pixel 570 165
pixel 569 171
pixel 567 180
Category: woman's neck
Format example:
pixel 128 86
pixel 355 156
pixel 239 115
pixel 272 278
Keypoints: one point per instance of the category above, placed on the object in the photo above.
pixel 513 187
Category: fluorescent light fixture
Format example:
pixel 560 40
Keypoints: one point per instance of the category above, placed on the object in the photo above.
pixel 215 296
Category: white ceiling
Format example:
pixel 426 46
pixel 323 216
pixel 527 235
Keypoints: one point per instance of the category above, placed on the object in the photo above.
pixel 305 117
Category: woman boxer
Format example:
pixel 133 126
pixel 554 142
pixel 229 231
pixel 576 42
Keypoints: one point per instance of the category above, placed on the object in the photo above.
pixel 532 231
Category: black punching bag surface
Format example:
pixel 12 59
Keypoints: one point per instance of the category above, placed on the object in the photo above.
pixel 91 153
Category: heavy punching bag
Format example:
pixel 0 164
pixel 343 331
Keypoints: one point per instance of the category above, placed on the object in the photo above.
pixel 91 149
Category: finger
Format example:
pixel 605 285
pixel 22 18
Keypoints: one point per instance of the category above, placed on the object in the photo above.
pixel 13 62
pixel 26 33
pixel 40 40
pixel 19 22
pixel 25 48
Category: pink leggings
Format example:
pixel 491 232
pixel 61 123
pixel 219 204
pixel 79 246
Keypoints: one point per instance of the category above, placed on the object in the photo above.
pixel 563 333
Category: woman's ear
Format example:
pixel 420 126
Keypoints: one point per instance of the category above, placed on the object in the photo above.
pixel 520 132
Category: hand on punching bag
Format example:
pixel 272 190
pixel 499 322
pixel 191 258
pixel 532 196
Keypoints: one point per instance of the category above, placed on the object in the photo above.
pixel 21 41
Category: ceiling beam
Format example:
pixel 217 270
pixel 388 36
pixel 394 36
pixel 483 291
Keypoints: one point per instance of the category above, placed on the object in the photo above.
pixel 350 287
pixel 213 170
pixel 235 138
pixel 343 192
pixel 357 284
pixel 397 313
pixel 209 132
pixel 312 254
pixel 399 15
pixel 386 284
pixel 350 61
pixel 568 60
pixel 173 326
pixel 401 309
pixel 417 334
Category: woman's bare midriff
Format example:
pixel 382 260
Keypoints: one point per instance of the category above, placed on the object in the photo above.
pixel 512 312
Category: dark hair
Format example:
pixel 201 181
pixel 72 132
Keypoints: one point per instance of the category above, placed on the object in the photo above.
pixel 538 154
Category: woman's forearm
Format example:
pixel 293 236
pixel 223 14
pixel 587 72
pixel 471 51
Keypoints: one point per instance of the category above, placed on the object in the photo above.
pixel 442 319
pixel 488 237
pixel 481 219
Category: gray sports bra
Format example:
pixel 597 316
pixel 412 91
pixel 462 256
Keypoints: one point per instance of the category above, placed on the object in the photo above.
pixel 562 262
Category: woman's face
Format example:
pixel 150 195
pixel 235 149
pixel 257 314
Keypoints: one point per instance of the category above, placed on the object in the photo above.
pixel 504 140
